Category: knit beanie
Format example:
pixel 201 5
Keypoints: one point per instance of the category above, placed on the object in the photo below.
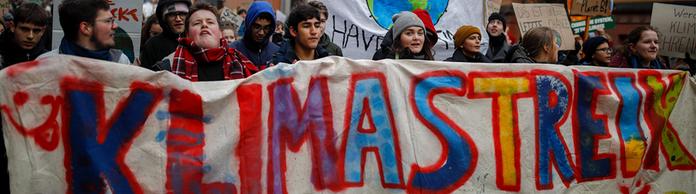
pixel 497 16
pixel 464 32
pixel 590 46
pixel 428 23
pixel 404 20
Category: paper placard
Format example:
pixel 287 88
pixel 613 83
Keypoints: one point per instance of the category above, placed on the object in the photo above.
pixel 677 26
pixel 591 7
pixel 545 14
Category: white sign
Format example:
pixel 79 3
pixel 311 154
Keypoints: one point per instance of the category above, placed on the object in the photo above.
pixel 358 28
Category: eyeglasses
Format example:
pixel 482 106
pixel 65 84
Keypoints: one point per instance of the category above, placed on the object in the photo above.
pixel 266 28
pixel 606 50
pixel 107 20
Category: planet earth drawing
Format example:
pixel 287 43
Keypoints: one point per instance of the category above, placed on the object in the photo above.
pixel 383 10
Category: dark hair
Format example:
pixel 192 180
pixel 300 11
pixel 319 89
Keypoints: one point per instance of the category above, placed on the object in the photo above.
pixel 241 11
pixel 31 13
pixel 535 39
pixel 634 35
pixel 321 7
pixel 200 6
pixel 300 13
pixel 74 12
pixel 397 48
pixel 146 29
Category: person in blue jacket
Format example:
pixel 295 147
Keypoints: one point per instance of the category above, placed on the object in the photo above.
pixel 259 25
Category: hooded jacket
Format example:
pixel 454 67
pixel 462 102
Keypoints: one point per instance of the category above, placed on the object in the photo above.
pixel 163 44
pixel 384 46
pixel 287 54
pixel 498 49
pixel 260 54
pixel 519 55
pixel 13 54
pixel 330 47
pixel 458 56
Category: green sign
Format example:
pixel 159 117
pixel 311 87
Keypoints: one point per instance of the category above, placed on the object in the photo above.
pixel 606 22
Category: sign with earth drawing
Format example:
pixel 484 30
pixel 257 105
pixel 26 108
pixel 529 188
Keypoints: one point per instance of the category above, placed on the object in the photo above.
pixel 359 26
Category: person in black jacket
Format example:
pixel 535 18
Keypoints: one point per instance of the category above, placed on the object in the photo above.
pixel 467 40
pixel 409 41
pixel 304 29
pixel 171 15
pixel 22 41
pixel 498 47
pixel 538 45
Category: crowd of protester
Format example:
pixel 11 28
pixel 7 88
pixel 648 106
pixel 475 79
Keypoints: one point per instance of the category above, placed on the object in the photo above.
pixel 211 47
pixel 193 42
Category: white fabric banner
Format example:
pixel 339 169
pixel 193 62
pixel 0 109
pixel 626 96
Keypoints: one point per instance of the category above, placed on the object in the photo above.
pixel 359 28
pixel 77 125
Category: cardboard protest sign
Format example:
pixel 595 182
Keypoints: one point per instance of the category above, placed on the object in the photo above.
pixel 604 22
pixel 128 17
pixel 677 25
pixel 545 14
pixel 76 125
pixel 591 7
pixel 359 26
pixel 492 6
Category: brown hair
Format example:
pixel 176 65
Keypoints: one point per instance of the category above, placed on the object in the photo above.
pixel 535 39
pixel 201 6
pixel 635 34
pixel 321 7
pixel 399 49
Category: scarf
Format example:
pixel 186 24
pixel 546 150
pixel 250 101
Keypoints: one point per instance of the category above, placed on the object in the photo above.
pixel 634 62
pixel 70 48
pixel 188 56
pixel 496 43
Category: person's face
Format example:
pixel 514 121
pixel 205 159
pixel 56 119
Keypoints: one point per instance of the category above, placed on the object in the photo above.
pixel 27 35
pixel 322 19
pixel 495 27
pixel 413 38
pixel 553 49
pixel 176 21
pixel 648 46
pixel 307 33
pixel 603 53
pixel 104 30
pixel 260 28
pixel 203 29
pixel 155 29
pixel 279 28
pixel 472 44
pixel 229 35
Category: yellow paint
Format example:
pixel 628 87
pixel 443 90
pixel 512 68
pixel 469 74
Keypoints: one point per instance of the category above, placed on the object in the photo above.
pixel 505 87
pixel 634 154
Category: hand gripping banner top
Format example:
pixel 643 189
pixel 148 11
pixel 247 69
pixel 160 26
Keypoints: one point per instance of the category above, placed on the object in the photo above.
pixel 77 125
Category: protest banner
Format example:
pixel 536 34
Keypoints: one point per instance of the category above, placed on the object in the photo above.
pixel 545 14
pixel 359 26
pixel 128 17
pixel 603 22
pixel 79 125
pixel 677 26
pixel 591 7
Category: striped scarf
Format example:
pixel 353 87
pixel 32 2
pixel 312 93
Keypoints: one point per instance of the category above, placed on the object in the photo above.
pixel 188 56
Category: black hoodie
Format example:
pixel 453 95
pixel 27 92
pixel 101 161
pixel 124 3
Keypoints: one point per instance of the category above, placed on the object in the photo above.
pixel 163 44
pixel 13 54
